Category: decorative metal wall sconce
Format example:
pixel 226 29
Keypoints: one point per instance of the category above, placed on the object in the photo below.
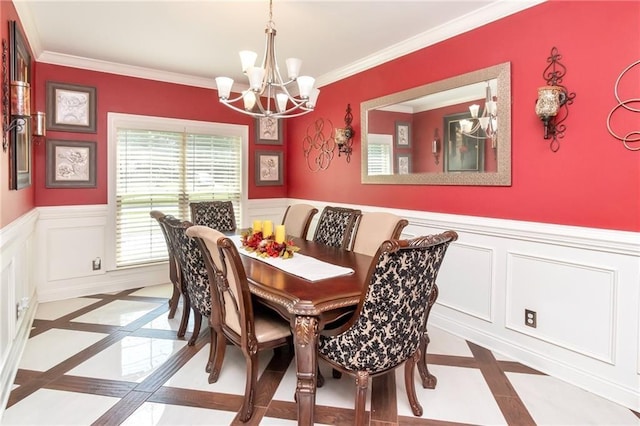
pixel 344 136
pixel 553 100
pixel 435 145
pixel 16 105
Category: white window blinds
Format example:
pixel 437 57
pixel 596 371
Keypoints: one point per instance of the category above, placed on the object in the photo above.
pixel 379 154
pixel 166 170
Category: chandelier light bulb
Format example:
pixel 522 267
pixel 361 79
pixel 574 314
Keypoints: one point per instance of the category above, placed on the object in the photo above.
pixel 224 85
pixel 293 67
pixel 247 59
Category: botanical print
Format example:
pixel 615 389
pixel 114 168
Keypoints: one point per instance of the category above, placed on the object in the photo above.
pixel 403 165
pixel 268 128
pixel 269 168
pixel 72 107
pixel 72 163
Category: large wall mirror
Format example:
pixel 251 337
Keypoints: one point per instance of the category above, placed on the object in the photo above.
pixel 451 132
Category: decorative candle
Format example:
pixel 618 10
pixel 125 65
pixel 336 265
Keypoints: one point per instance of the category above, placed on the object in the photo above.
pixel 257 226
pixel 280 234
pixel 434 147
pixel 267 228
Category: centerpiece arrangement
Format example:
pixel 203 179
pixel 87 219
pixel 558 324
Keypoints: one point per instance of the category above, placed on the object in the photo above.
pixel 261 240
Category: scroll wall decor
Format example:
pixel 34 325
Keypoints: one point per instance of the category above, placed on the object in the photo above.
pixel 634 135
pixel 319 144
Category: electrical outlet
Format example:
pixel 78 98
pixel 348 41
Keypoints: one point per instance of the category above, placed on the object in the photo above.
pixel 530 318
pixel 97 264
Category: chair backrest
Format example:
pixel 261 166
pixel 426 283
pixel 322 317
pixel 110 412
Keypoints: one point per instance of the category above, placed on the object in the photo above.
pixel 214 214
pixel 297 219
pixel 230 289
pixel 374 228
pixel 335 226
pixel 161 218
pixel 192 268
pixel 385 330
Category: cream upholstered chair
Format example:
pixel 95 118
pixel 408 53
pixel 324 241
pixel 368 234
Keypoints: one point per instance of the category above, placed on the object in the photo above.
pixel 235 318
pixel 388 325
pixel 214 214
pixel 297 219
pixel 335 226
pixel 374 228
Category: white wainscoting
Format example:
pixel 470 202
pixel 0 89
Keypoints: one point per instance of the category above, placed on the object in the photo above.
pixel 583 283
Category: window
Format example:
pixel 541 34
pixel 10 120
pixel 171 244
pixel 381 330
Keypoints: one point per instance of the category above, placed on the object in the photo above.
pixel 165 164
pixel 379 154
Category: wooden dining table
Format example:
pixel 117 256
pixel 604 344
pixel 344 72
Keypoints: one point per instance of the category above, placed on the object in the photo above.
pixel 309 306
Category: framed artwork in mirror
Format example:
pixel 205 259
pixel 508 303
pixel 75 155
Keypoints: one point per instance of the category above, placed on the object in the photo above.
pixel 403 135
pixel 268 169
pixel 71 107
pixel 20 161
pixel 403 164
pixel 71 164
pixel 269 131
pixel 462 152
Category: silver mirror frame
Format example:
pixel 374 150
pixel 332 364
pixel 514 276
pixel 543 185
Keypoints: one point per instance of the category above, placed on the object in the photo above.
pixel 500 178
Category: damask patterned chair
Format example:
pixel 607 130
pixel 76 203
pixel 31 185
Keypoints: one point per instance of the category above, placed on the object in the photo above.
pixel 374 228
pixel 214 214
pixel 252 330
pixel 173 267
pixel 388 326
pixel 194 275
pixel 297 219
pixel 335 226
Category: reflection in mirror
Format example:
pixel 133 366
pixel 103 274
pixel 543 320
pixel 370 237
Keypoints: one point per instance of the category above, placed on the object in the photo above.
pixel 452 132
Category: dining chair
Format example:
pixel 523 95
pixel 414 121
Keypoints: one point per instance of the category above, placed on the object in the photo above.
pixel 375 227
pixel 237 319
pixel 389 322
pixel 297 219
pixel 214 214
pixel 173 267
pixel 194 274
pixel 335 226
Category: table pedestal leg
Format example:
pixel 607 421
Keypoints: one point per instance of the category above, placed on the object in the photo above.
pixel 305 339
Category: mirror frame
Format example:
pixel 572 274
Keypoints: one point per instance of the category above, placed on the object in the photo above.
pixel 501 72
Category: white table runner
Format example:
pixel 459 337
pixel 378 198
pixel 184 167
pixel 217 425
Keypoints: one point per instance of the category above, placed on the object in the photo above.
pixel 306 267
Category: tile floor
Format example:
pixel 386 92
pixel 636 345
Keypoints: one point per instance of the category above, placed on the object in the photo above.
pixel 115 359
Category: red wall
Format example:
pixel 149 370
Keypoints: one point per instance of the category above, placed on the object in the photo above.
pixel 592 181
pixel 116 93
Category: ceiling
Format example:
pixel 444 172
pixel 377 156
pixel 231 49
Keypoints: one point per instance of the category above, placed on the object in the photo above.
pixel 192 42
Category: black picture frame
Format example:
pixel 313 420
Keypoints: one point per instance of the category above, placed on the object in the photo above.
pixel 20 151
pixel 71 164
pixel 268 168
pixel 71 107
pixel 269 131
pixel 402 135
pixel 462 153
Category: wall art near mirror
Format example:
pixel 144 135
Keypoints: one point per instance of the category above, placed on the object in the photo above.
pixel 71 107
pixel 17 105
pixel 471 111
pixel 71 164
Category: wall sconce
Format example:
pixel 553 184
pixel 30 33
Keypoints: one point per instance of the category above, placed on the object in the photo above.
pixel 16 105
pixel 344 136
pixel 553 100
pixel 435 145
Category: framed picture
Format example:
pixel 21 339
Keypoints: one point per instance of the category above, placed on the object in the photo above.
pixel 403 135
pixel 268 168
pixel 20 160
pixel 403 164
pixel 71 164
pixel 71 108
pixel 268 131
pixel 462 152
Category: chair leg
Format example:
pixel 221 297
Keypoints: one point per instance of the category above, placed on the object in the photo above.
pixel 197 318
pixel 173 302
pixel 218 356
pixel 319 379
pixel 362 384
pixel 410 383
pixel 212 349
pixel 184 322
pixel 429 381
pixel 246 411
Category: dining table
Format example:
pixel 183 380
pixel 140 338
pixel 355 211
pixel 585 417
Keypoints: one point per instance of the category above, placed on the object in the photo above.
pixel 309 305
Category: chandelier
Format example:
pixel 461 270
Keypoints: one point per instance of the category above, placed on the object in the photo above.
pixel 487 121
pixel 268 94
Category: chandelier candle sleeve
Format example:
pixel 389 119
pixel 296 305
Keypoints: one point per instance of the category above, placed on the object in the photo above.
pixel 257 226
pixel 267 228
pixel 280 234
